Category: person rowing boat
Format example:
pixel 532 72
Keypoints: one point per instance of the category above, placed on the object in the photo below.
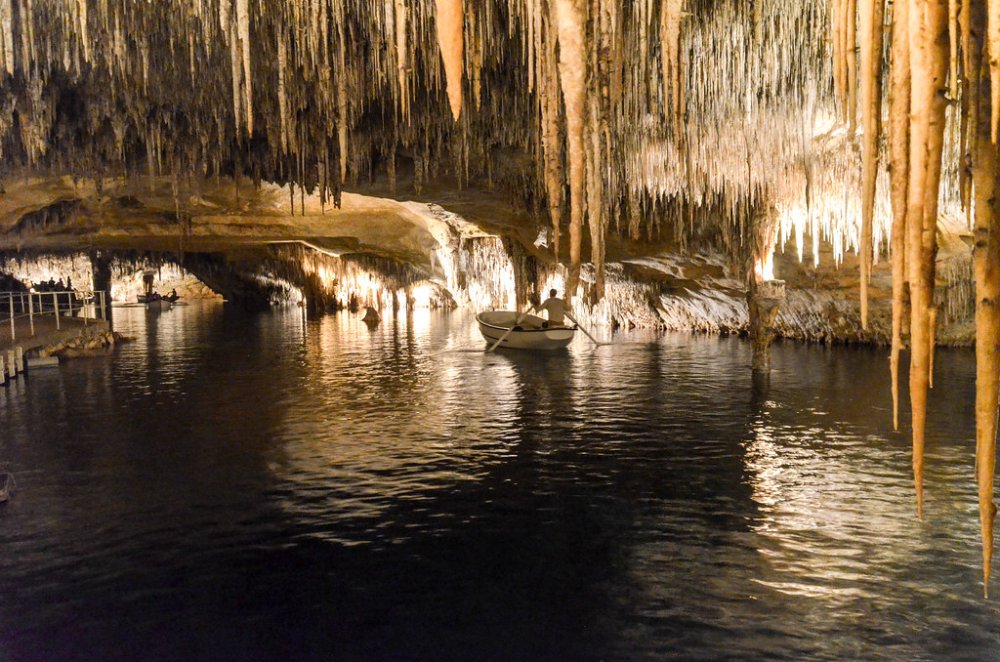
pixel 555 308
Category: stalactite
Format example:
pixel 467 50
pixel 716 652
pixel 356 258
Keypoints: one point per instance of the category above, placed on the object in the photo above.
pixel 953 60
pixel 852 67
pixel 929 68
pixel 932 315
pixel 670 48
pixel 243 41
pixel 450 29
pixel 986 263
pixel 837 21
pixel 551 140
pixel 871 19
pixel 81 12
pixel 573 77
pixel 993 30
pixel 282 92
pixel 343 118
pixel 7 35
pixel 402 55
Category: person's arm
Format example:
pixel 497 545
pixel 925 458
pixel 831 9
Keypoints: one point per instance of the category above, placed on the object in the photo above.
pixel 569 314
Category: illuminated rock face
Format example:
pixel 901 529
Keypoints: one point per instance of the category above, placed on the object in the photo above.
pixel 76 271
pixel 395 256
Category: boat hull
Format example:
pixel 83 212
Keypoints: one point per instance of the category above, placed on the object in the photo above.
pixel 155 302
pixel 531 334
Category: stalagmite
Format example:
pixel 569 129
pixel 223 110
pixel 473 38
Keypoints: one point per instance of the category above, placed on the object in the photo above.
pixel 450 28
pixel 871 16
pixel 572 78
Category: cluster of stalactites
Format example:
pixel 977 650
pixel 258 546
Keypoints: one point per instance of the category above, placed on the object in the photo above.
pixel 758 81
pixel 313 92
pixel 937 56
pixel 308 92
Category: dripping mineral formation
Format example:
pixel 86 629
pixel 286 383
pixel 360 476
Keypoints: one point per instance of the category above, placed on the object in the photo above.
pixel 600 143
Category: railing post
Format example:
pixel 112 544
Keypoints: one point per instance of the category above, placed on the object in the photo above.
pixel 55 304
pixel 83 309
pixel 31 313
pixel 13 334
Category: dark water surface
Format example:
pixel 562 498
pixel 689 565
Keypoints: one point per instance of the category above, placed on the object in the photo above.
pixel 249 487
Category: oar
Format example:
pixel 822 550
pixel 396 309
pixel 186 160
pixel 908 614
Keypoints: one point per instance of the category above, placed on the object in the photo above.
pixel 507 333
pixel 587 333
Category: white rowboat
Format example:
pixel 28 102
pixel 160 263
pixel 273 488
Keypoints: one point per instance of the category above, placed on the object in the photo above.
pixel 530 332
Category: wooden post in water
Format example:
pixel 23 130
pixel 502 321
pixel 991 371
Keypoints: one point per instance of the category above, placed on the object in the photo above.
pixel 11 364
pixel 19 358
pixel 3 372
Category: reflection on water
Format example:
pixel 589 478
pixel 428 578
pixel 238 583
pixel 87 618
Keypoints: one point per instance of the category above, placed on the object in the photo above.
pixel 253 487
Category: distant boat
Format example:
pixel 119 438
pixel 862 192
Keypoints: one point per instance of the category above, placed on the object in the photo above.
pixel 6 486
pixel 154 301
pixel 531 332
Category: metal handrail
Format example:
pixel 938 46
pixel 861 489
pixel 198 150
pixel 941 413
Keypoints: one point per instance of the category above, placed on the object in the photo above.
pixel 26 300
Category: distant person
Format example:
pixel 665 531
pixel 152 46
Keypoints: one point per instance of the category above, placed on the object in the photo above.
pixel 555 308
pixel 52 285
pixel 60 286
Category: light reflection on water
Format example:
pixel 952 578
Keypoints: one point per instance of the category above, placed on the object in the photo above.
pixel 235 486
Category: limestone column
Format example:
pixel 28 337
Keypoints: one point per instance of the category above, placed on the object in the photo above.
pixel 764 298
